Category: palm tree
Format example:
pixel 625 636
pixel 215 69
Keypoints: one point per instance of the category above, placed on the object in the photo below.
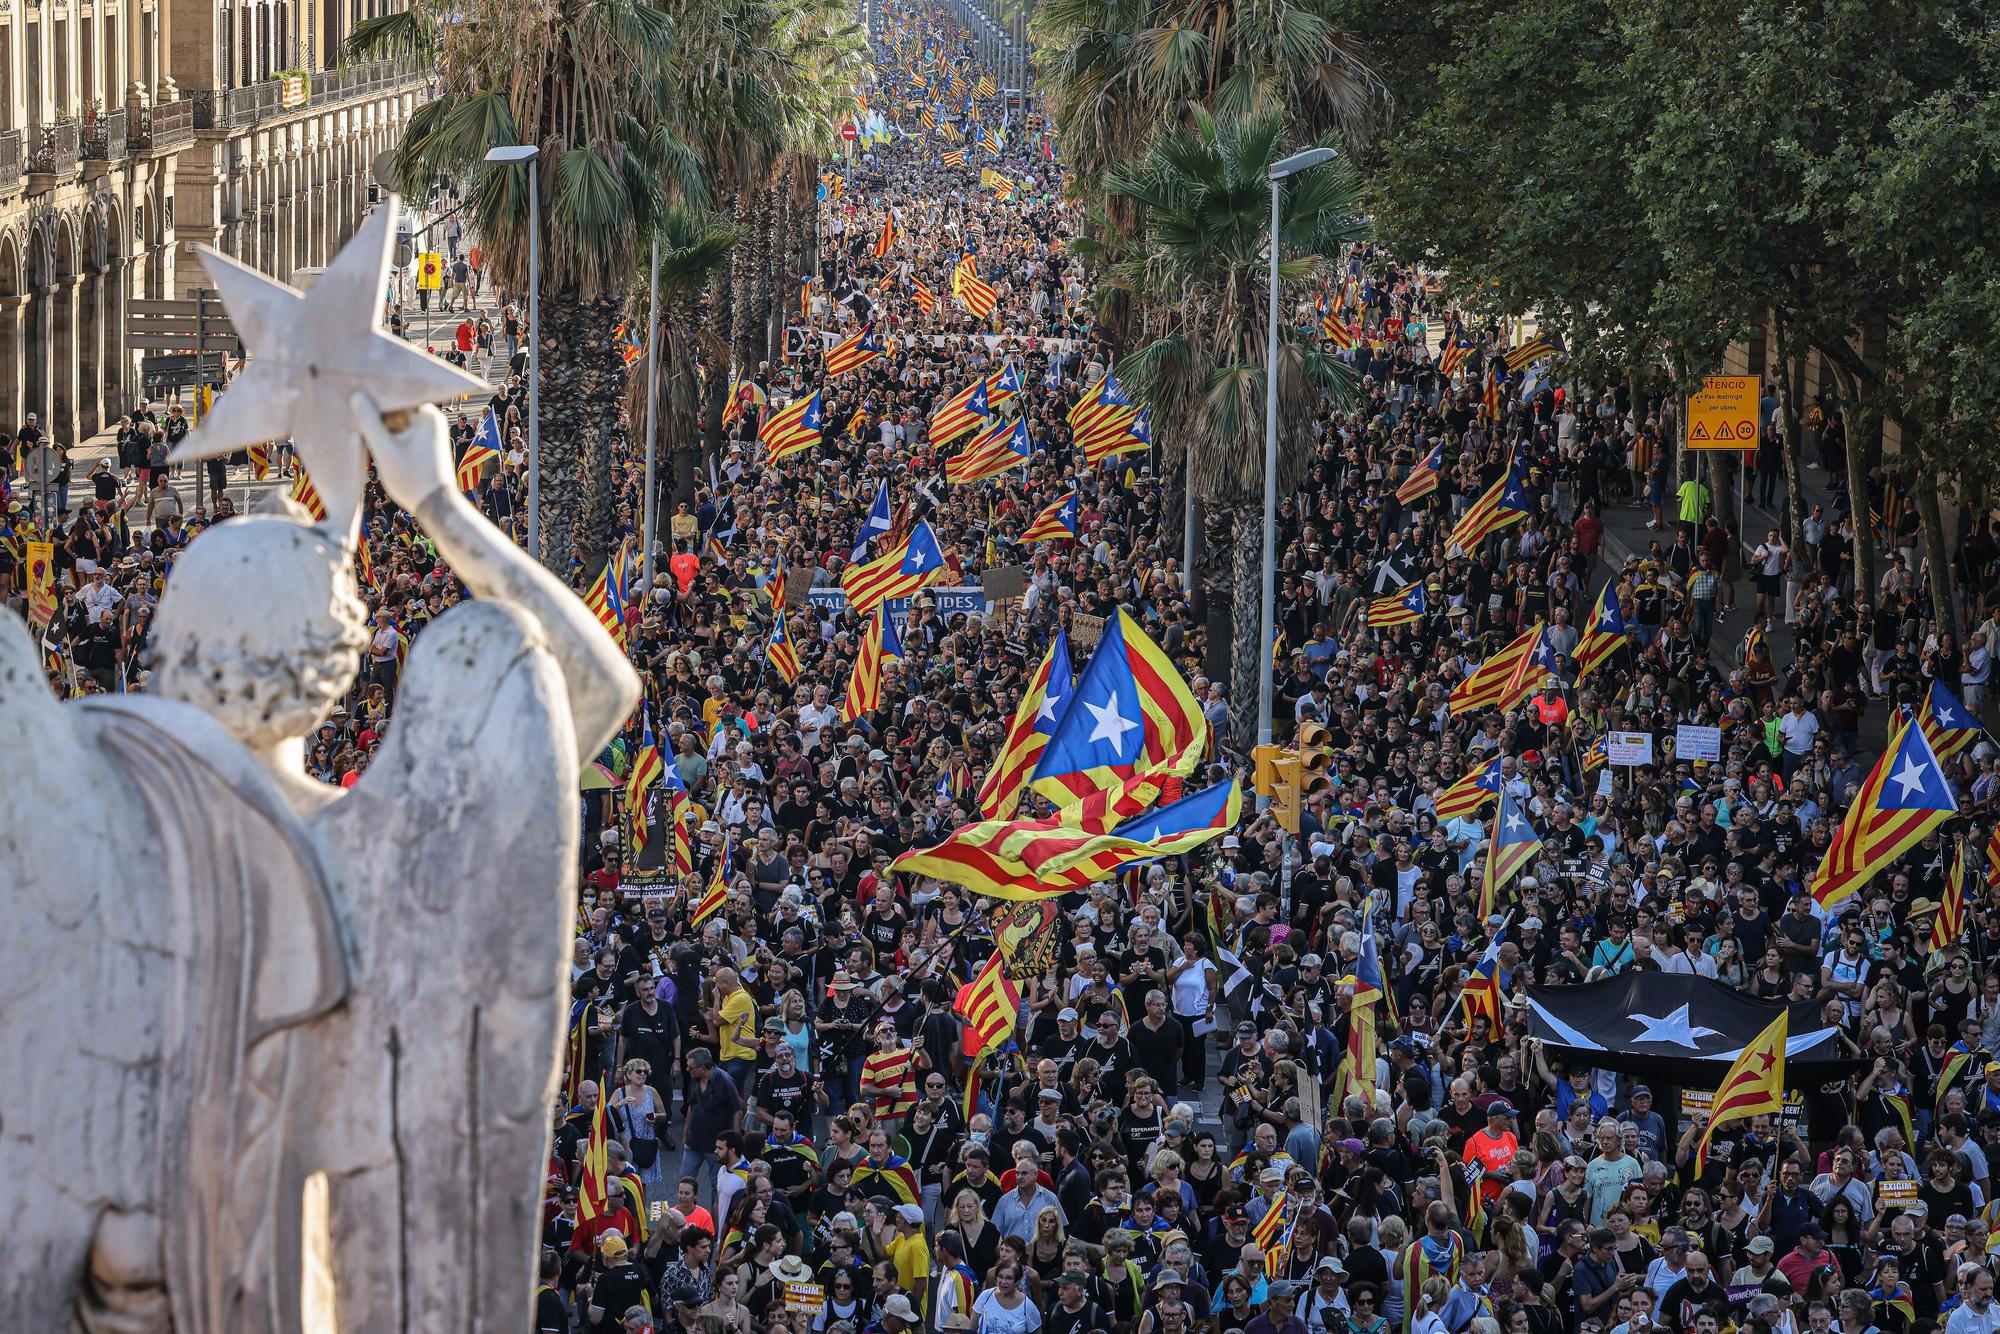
pixel 588 82
pixel 1201 263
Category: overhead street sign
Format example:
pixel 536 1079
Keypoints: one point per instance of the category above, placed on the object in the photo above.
pixel 1724 414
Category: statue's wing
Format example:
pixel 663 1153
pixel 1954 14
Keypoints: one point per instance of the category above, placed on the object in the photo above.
pixel 457 855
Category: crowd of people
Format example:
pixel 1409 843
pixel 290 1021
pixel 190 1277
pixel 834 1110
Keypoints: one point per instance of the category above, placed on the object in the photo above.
pixel 794 1134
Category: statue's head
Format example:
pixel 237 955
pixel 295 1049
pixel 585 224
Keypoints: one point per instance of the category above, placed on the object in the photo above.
pixel 261 626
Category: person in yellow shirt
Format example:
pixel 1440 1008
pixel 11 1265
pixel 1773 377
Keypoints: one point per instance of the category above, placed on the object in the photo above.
pixel 734 1027
pixel 910 1253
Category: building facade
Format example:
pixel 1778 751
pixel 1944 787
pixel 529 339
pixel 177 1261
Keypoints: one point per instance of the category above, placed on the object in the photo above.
pixel 132 131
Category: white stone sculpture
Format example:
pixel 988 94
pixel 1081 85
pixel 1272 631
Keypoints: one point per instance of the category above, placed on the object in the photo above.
pixel 276 1056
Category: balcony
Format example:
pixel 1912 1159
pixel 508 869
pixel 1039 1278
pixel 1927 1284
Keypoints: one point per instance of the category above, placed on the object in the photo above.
pixel 228 109
pixel 13 160
pixel 55 151
pixel 163 128
pixel 105 137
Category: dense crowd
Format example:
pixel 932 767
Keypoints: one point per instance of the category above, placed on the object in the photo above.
pixel 798 1140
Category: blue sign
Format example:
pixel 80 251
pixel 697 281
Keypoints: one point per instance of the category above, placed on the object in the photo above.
pixel 963 600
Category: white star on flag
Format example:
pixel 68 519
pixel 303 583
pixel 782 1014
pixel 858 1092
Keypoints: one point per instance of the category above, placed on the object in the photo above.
pixel 1910 777
pixel 1110 725
pixel 1050 703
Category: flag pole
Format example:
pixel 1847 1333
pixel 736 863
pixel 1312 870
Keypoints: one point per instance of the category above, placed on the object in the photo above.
pixel 1459 1001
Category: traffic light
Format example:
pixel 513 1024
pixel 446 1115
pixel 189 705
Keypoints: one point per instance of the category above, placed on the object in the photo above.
pixel 1315 758
pixel 1264 774
pixel 1285 800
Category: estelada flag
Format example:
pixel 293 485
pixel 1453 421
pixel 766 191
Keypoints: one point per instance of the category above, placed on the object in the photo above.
pixel 1905 796
pixel 1397 609
pixel 1754 1086
pixel 1602 634
pixel 796 426
pixel 1423 478
pixel 854 352
pixel 1469 793
pixel 1058 520
pixel 989 1005
pixel 1950 921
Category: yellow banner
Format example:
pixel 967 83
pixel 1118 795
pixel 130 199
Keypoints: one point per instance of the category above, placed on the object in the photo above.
pixel 1724 414
pixel 41 583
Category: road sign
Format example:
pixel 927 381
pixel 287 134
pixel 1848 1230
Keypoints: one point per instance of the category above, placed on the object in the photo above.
pixel 178 370
pixel 1724 414
pixel 848 132
pixel 430 271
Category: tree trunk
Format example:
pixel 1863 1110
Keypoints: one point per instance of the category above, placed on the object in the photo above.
pixel 680 406
pixel 1246 534
pixel 582 428
pixel 715 363
pixel 1937 559
pixel 1791 388
pixel 1861 419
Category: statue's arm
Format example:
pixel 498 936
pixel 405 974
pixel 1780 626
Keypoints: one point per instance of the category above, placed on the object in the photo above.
pixel 415 464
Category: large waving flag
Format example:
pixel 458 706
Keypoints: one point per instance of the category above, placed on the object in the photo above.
pixel 1057 521
pixel 1104 415
pixel 914 563
pixel 1904 798
pixel 965 410
pixel 1470 793
pixel 782 654
pixel 717 893
pixel 1512 845
pixel 1481 996
pixel 798 425
pixel 1336 331
pixel 1453 357
pixel 1424 477
pixel 1754 1086
pixel 972 291
pixel 990 1005
pixel 1041 859
pixel 1532 351
pixel 1603 633
pixel 926 299
pixel 879 643
pixel 878 522
pixel 1002 447
pixel 593 1191
pixel 1947 724
pixel 1132 716
pixel 1134 436
pixel 1503 680
pixel 854 352
pixel 1949 924
pixel 887 239
pixel 1397 609
pixel 1504 505
pixel 1034 719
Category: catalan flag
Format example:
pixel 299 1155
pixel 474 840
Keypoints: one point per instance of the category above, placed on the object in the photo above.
pixel 485 448
pixel 1596 755
pixel 879 643
pixel 1265 1234
pixel 717 893
pixel 965 410
pixel 1489 398
pixel 1056 521
pixel 1034 719
pixel 1104 411
pixel 1452 358
pixel 1949 924
pixel 1503 680
pixel 1532 351
pixel 367 559
pixel 799 425
pixel 855 351
pixel 1003 386
pixel 926 299
pixel 973 292
pixel 914 563
pixel 1135 437
pixel 1511 845
pixel 1754 1086
pixel 780 653
pixel 986 87
pixel 1993 859
pixel 1334 330
pixel 1947 724
pixel 1001 186
pixel 647 768
pixel 1356 1075
pixel 1904 798
pixel 260 461
pixel 1402 608
pixel 992 140
pixel 994 451
pixel 1471 792
pixel 1132 716
pixel 306 494
pixel 1481 997
pixel 990 1006
pixel 593 1195
pixel 888 236
pixel 953 157
pixel 1603 633
pixel 928 118
pixel 1424 477
pixel 1504 505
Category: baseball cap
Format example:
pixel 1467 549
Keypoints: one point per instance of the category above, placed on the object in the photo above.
pixel 1761 1245
pixel 1246 1029
pixel 910 1213
pixel 1068 1015
pixel 1499 1107
pixel 1641 1091
pixel 1329 1265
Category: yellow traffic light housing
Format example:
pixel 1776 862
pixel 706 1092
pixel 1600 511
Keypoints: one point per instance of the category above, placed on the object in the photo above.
pixel 1264 774
pixel 1315 758
pixel 1286 801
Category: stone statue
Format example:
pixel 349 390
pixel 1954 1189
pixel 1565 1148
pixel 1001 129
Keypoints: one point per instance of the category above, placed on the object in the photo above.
pixel 276 1056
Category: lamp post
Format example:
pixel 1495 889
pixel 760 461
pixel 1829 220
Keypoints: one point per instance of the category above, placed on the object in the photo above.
pixel 1280 170
pixel 514 155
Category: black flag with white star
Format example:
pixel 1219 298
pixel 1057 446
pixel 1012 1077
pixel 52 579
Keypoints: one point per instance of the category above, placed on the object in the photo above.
pixel 1675 1028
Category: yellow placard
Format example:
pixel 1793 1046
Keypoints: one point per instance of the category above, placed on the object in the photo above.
pixel 1895 1194
pixel 430 271
pixel 807 1297
pixel 41 558
pixel 1724 414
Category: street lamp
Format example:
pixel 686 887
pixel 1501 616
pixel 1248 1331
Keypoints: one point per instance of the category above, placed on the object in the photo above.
pixel 513 155
pixel 1280 170
pixel 652 415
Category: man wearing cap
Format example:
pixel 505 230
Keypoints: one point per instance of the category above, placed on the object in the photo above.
pixel 1652 1129
pixel 1074 1312
pixel 1493 1148
pixel 898 1315
pixel 618 1286
pixel 1323 1308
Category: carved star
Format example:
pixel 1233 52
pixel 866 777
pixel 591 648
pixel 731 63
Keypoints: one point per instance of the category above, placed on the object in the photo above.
pixel 308 353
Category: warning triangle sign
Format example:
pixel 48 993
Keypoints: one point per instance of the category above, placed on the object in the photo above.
pixel 1698 431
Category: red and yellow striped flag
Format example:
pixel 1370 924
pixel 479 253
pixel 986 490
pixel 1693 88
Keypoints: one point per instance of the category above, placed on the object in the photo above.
pixel 990 1005
pixel 1754 1086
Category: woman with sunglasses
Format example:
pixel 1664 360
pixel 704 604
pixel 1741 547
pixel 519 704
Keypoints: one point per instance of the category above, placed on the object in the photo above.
pixel 1362 1315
